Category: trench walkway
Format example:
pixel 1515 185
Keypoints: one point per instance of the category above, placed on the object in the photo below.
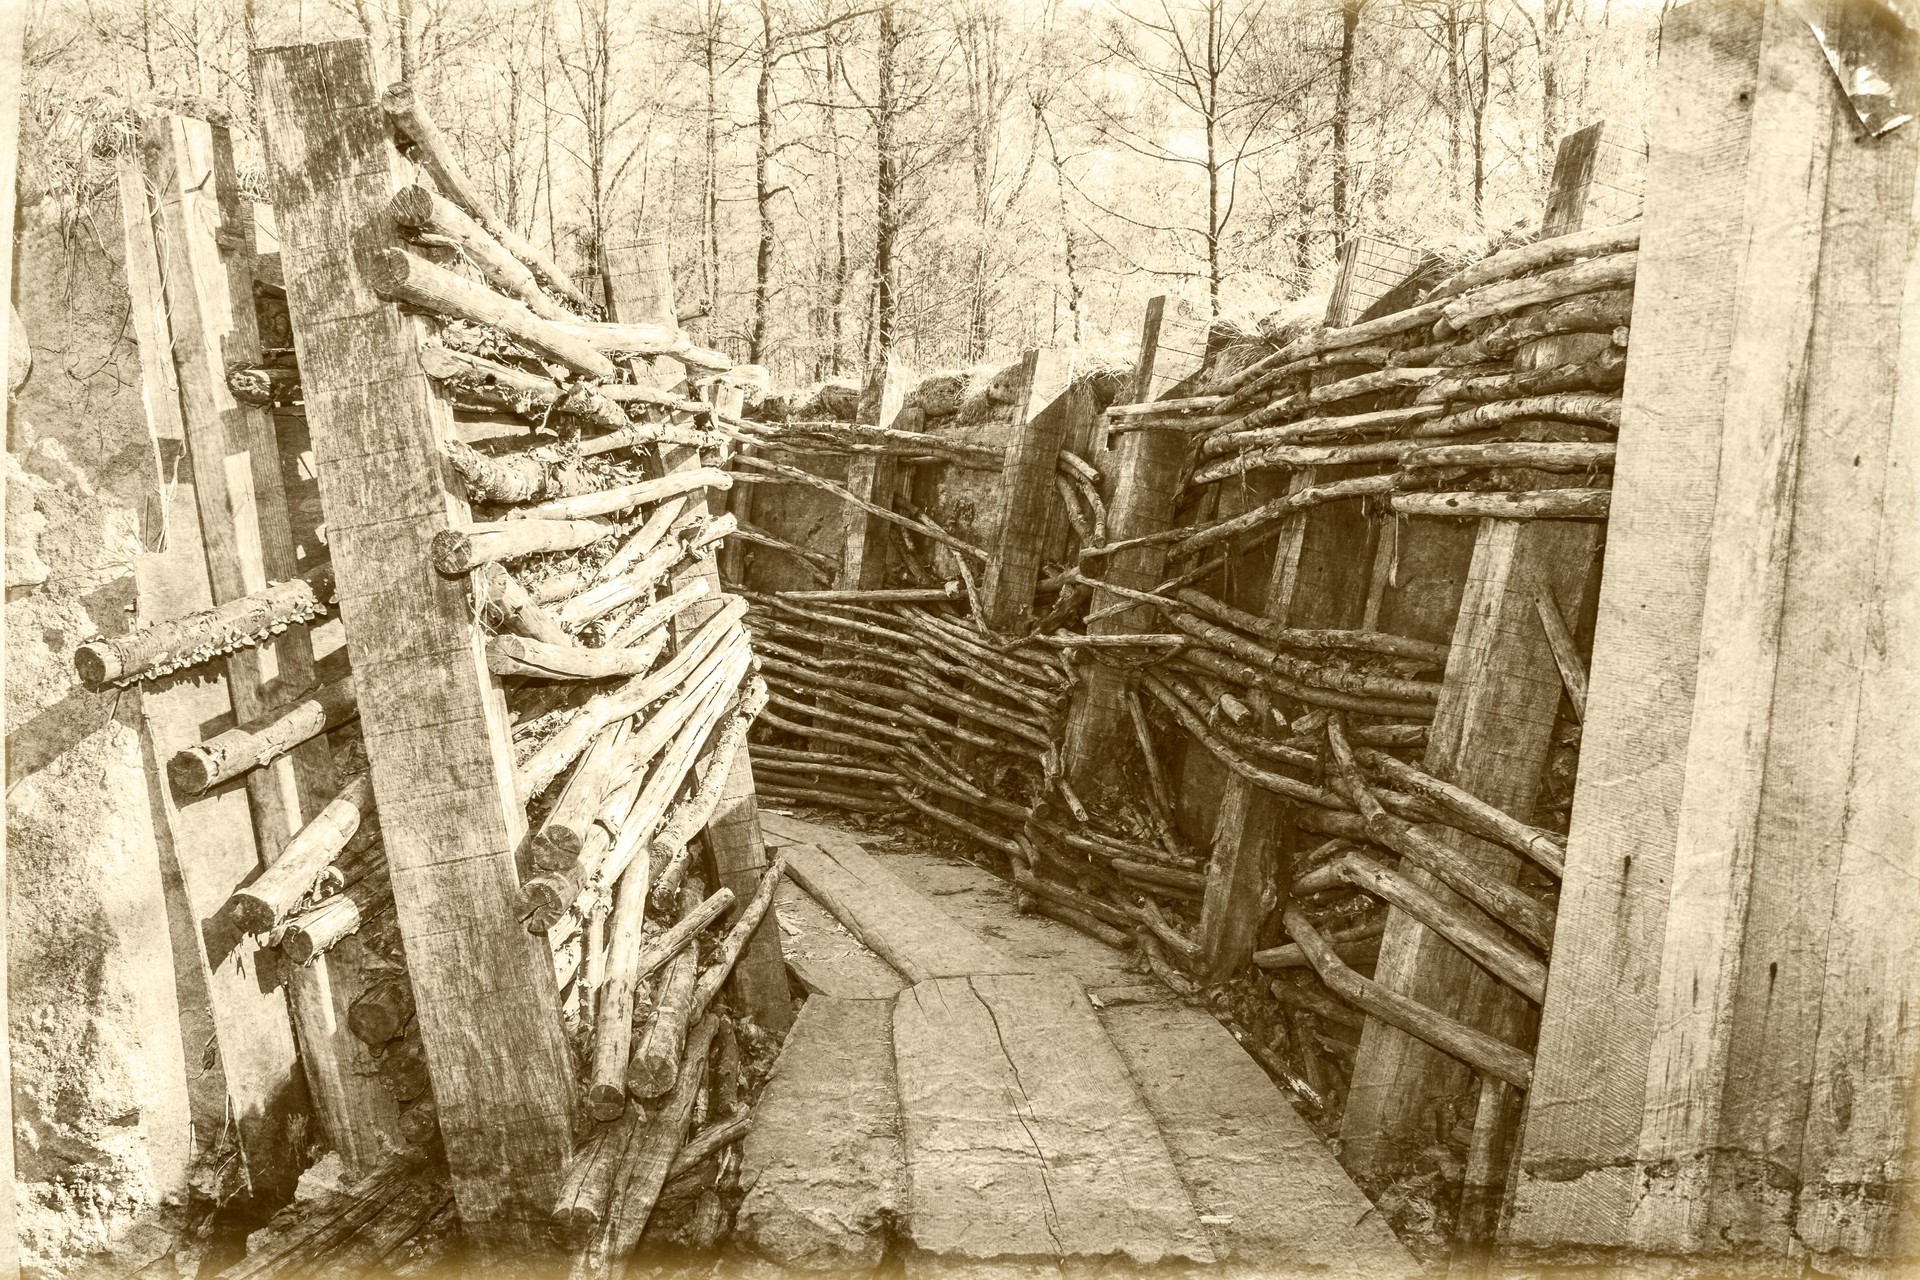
pixel 967 1087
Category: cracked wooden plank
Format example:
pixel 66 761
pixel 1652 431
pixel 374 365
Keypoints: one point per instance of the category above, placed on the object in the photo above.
pixel 893 919
pixel 1269 1192
pixel 1025 1139
pixel 823 1170
pixel 827 959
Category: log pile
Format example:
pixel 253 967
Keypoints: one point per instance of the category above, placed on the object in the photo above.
pixel 591 464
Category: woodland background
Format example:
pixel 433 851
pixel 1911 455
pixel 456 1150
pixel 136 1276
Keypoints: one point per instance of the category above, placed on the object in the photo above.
pixel 955 180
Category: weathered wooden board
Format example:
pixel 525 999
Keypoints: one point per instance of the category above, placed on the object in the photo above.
pixel 828 960
pixel 891 918
pixel 209 838
pixel 1269 1192
pixel 1140 478
pixel 823 1172
pixel 1737 762
pixel 248 535
pixel 432 717
pixel 1024 1136
pixel 1027 488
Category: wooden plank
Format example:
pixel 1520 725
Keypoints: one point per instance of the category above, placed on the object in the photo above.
pixel 249 540
pixel 822 1173
pixel 432 717
pixel 828 960
pixel 1491 733
pixel 1793 607
pixel 1141 475
pixel 210 837
pixel 865 549
pixel 1857 1159
pixel 1024 1136
pixel 1722 222
pixel 1269 1192
pixel 1040 424
pixel 736 855
pixel 891 918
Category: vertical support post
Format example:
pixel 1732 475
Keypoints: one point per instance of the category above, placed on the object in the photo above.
pixel 209 838
pixel 1026 487
pixel 1750 1086
pixel 1492 731
pixel 643 290
pixel 432 717
pixel 871 477
pixel 1144 470
pixel 249 540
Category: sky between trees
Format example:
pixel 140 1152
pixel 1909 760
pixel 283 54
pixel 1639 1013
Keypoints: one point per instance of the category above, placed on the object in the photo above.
pixel 953 180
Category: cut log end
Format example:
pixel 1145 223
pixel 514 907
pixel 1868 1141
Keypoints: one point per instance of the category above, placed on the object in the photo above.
pixel 412 206
pixel 97 665
pixel 192 771
pixel 608 1102
pixel 452 552
pixel 252 913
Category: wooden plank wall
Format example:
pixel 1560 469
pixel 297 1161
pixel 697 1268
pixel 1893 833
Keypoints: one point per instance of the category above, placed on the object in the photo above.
pixel 1726 1058
pixel 1027 495
pixel 432 716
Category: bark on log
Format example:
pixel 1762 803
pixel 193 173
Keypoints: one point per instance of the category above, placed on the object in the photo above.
pixel 411 120
pixel 727 954
pixel 1537 504
pixel 1566 654
pixel 1505 902
pixel 177 643
pixel 521 391
pixel 1506 297
pixel 500 601
pixel 1475 1048
pixel 400 276
pixel 1480 943
pixel 654 1067
pixel 462 549
pixel 229 754
pixel 613 1027
pixel 259 906
pixel 624 497
pixel 1483 819
pixel 1538 455
pixel 1313 638
pixel 420 208
pixel 1541 254
pixel 656 1149
pixel 312 932
pixel 527 476
pixel 556 845
pixel 519 656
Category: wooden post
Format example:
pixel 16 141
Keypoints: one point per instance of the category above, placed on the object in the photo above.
pixel 1492 731
pixel 1026 487
pixel 249 541
pixel 870 477
pixel 1747 761
pixel 643 290
pixel 432 717
pixel 210 837
pixel 1143 470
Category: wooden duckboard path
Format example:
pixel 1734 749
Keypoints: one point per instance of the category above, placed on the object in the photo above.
pixel 1025 1137
pixel 1000 1120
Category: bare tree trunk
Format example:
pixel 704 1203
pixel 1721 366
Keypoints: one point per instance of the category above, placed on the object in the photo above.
pixel 409 42
pixel 1480 93
pixel 763 188
pixel 710 240
pixel 1343 123
pixel 837 321
pixel 1211 99
pixel 886 228
pixel 1070 256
